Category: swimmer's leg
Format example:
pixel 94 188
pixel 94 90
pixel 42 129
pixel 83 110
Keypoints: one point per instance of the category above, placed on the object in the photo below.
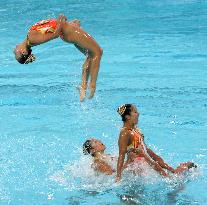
pixel 94 68
pixel 95 53
pixel 85 73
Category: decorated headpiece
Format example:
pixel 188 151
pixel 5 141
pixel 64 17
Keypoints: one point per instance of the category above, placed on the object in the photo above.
pixel 30 59
pixel 87 147
pixel 121 109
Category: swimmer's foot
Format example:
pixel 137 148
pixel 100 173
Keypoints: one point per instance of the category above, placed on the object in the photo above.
pixel 82 92
pixel 75 22
pixel 92 91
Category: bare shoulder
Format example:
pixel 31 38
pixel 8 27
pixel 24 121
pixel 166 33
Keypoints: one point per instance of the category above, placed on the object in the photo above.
pixel 125 132
pixel 102 166
pixel 125 135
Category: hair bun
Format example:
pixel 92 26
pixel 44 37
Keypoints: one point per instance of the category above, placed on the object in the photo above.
pixel 87 147
pixel 30 59
pixel 121 109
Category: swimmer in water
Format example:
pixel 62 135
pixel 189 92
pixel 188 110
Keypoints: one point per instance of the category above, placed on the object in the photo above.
pixel 101 161
pixel 131 142
pixel 70 32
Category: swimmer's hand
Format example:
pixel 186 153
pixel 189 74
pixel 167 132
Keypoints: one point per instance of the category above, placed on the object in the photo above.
pixel 60 21
pixel 62 18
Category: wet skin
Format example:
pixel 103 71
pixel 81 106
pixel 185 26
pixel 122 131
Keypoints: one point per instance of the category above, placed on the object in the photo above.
pixel 70 32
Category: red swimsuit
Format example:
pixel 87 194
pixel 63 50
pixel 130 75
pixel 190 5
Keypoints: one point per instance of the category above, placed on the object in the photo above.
pixel 45 26
pixel 137 142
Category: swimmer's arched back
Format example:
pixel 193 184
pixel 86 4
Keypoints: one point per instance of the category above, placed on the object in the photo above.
pixel 70 32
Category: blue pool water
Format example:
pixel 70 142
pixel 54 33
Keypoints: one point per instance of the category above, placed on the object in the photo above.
pixel 155 56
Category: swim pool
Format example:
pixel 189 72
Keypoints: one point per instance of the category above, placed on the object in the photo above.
pixel 154 56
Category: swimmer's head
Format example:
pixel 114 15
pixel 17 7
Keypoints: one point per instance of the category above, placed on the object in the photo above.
pixel 92 146
pixel 23 54
pixel 128 112
pixel 189 165
pixel 124 110
pixel 87 147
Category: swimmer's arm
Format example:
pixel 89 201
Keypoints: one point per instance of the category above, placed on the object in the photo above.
pixel 103 167
pixel 159 160
pixel 155 166
pixel 60 21
pixel 123 142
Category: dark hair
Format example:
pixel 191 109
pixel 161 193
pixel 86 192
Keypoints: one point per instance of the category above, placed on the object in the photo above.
pixel 87 147
pixel 124 110
pixel 24 57
pixel 191 165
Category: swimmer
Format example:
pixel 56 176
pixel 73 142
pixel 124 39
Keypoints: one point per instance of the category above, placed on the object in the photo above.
pixel 70 32
pixel 131 142
pixel 101 161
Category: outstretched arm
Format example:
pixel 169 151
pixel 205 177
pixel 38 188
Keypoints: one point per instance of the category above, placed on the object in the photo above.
pixel 155 165
pixel 159 160
pixel 123 142
pixel 60 21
